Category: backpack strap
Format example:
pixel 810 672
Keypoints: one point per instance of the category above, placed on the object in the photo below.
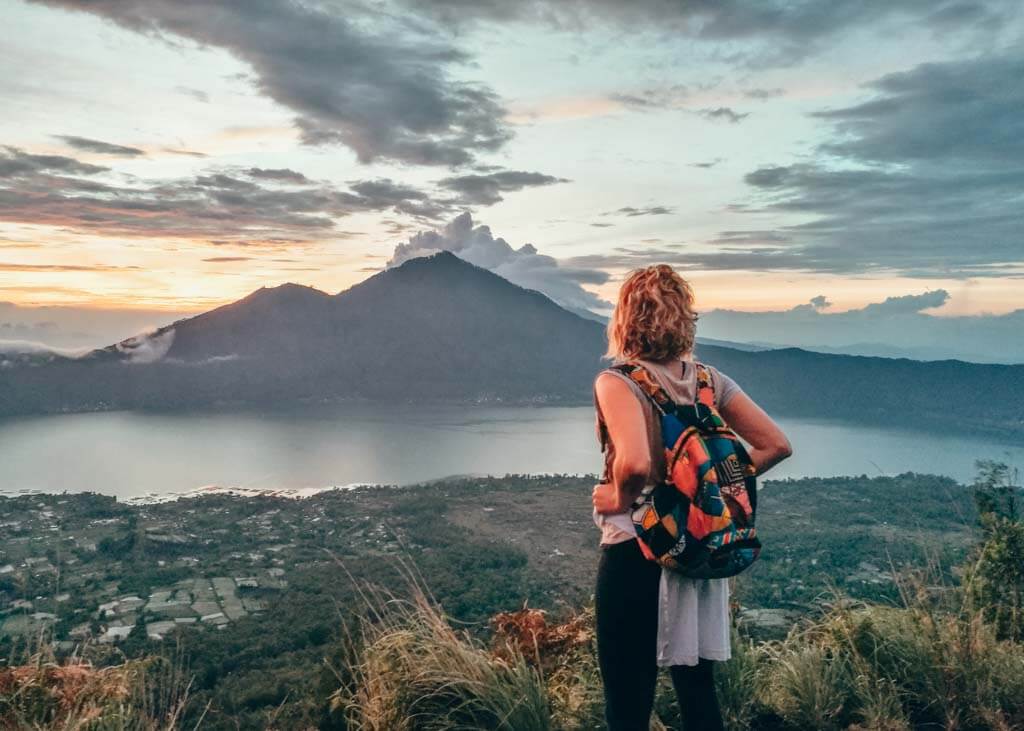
pixel 648 385
pixel 705 386
pixel 657 394
pixel 636 373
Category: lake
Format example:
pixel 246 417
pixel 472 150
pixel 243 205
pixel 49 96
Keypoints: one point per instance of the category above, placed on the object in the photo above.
pixel 131 454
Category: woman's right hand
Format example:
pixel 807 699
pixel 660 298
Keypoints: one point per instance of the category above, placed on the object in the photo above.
pixel 607 500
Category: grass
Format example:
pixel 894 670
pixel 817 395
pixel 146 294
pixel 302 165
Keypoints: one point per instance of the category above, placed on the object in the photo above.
pixel 411 670
pixel 137 695
pixel 930 663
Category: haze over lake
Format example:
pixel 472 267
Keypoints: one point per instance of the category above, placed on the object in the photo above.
pixel 129 454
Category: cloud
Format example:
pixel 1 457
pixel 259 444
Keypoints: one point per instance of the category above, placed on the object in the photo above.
pixel 901 326
pixel 922 179
pixel 523 266
pixel 186 153
pixel 749 237
pixel 24 347
pixel 723 113
pixel 633 211
pixel 17 267
pixel 273 207
pixel 762 94
pixel 487 189
pixel 674 96
pixel 18 163
pixel 148 347
pixel 226 259
pixel 965 113
pixel 769 32
pixel 689 258
pixel 101 148
pixel 68 329
pixel 377 83
pixel 386 193
pixel 907 304
pixel 225 205
pixel 197 94
pixel 279 175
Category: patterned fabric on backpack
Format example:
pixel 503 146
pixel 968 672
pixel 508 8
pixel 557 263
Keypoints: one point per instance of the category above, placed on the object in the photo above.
pixel 699 520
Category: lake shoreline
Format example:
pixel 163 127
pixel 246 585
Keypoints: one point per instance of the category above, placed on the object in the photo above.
pixel 133 455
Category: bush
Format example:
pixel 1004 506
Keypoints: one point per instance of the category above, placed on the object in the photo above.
pixel 896 668
pixel 412 671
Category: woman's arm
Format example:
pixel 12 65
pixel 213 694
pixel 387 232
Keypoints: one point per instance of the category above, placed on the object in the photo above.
pixel 769 445
pixel 627 430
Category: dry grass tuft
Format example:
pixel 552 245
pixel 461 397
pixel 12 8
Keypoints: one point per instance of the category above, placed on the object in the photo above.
pixel 412 671
pixel 138 695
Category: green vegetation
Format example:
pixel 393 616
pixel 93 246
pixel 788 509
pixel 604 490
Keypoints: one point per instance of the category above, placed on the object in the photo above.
pixel 929 662
pixel 852 533
pixel 837 614
pixel 939 657
pixel 996 580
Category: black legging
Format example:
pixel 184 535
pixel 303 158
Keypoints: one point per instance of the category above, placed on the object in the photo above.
pixel 627 634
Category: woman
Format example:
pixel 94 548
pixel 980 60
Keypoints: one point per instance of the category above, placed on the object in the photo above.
pixel 646 618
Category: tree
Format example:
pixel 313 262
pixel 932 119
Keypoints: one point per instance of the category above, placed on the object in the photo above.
pixel 995 582
pixel 996 492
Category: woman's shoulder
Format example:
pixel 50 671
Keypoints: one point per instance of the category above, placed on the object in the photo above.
pixel 616 376
pixel 618 369
pixel 611 374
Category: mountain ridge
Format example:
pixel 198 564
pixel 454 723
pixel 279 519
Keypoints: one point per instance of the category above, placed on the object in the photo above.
pixel 441 329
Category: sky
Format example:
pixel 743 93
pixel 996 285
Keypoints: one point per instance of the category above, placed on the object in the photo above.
pixel 793 160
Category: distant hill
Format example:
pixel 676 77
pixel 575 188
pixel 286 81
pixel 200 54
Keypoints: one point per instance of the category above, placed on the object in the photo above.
pixel 874 350
pixel 440 329
pixel 751 347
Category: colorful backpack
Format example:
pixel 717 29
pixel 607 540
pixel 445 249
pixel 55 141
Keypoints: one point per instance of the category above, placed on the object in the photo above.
pixel 699 521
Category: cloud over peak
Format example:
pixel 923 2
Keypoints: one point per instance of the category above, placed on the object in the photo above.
pixel 523 266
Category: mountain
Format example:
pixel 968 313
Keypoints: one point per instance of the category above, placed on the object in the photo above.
pixel 433 328
pixel 440 329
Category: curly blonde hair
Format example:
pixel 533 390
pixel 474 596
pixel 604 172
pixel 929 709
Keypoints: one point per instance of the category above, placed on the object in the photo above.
pixel 654 318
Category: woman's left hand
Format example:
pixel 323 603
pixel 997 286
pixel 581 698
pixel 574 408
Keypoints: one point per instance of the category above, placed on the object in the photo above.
pixel 606 499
